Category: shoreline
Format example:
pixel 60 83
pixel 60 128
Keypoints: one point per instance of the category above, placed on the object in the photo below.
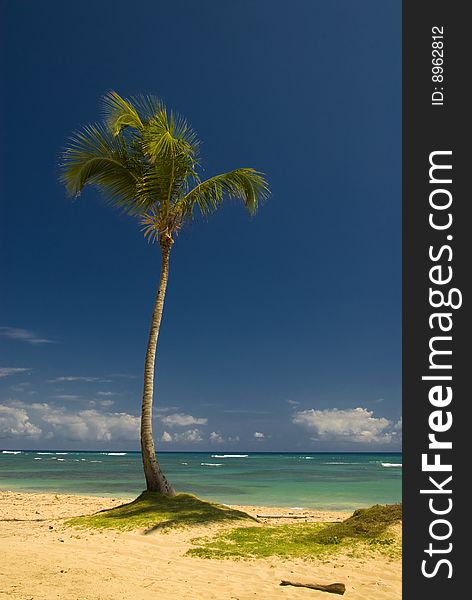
pixel 90 501
pixel 330 513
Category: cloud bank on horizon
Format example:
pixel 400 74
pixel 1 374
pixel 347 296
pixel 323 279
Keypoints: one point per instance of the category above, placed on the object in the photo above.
pixel 87 412
pixel 24 425
pixel 352 425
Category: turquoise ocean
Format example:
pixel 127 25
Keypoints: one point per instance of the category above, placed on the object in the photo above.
pixel 336 481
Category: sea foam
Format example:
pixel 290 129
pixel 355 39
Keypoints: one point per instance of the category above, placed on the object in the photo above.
pixel 399 465
pixel 229 455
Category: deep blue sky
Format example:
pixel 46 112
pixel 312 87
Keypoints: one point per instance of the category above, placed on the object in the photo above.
pixel 270 323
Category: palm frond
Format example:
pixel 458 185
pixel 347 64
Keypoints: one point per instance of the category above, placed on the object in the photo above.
pixel 167 181
pixel 244 184
pixel 147 106
pixel 171 146
pixel 95 157
pixel 170 136
pixel 151 225
pixel 119 113
pixel 144 159
pixel 157 223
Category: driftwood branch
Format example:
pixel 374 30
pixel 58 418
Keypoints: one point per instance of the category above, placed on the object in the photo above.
pixel 282 516
pixel 333 588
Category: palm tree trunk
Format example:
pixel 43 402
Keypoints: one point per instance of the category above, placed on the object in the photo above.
pixel 155 478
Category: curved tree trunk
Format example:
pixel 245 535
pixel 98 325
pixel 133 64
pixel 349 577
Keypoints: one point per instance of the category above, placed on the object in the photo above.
pixel 155 478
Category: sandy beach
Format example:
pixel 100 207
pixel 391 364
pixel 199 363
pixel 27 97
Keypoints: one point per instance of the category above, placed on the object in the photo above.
pixel 43 559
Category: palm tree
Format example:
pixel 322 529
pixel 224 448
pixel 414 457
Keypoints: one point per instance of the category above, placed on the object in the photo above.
pixel 145 159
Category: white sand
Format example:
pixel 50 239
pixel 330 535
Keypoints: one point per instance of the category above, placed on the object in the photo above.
pixel 42 559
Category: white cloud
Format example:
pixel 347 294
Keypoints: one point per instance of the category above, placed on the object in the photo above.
pixel 293 402
pixel 7 371
pixel 182 420
pixel 23 335
pixel 259 435
pixel 352 425
pixel 34 406
pixel 217 438
pixel 191 435
pixel 14 422
pixel 106 402
pixel 61 423
pixel 68 397
pixel 166 437
pixel 92 425
pixel 106 394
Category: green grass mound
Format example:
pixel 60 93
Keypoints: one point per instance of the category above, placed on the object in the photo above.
pixel 366 523
pixel 367 529
pixel 152 511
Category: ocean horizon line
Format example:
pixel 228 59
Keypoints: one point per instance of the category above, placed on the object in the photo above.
pixel 212 451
